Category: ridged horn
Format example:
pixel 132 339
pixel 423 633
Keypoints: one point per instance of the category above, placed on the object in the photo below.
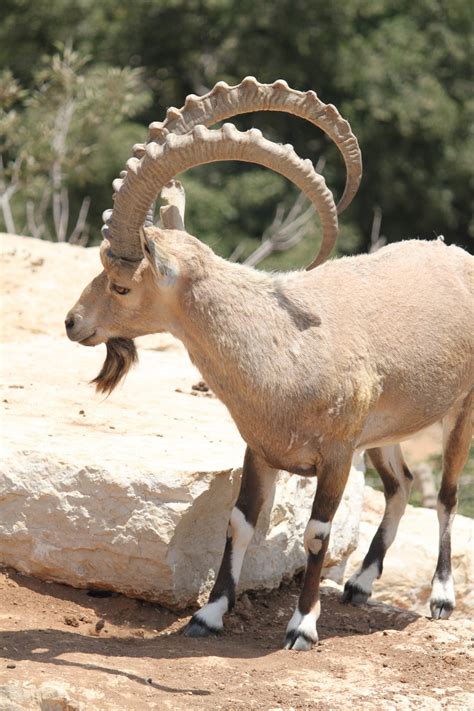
pixel 225 101
pixel 162 161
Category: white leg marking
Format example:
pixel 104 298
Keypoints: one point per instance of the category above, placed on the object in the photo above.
pixel 445 520
pixel 314 535
pixel 393 513
pixel 443 590
pixel 364 579
pixel 213 613
pixel 242 532
pixel 305 624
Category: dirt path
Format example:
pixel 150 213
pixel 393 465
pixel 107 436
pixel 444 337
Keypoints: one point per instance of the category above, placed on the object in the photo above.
pixel 64 649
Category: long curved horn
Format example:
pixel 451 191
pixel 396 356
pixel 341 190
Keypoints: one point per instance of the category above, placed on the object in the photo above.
pixel 160 162
pixel 225 101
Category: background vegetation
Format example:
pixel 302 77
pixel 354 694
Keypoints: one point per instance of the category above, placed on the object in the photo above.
pixel 466 484
pixel 81 80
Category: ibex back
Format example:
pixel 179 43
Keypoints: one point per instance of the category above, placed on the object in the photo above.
pixel 359 353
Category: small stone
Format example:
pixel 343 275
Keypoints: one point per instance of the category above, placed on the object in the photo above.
pixel 11 666
pixel 71 621
pixel 246 602
pixel 99 625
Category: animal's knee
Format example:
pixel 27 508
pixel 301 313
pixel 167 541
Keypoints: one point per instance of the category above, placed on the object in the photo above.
pixel 447 499
pixel 315 534
pixel 239 528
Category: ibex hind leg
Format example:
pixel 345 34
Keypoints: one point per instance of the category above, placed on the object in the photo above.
pixel 457 434
pixel 257 482
pixel 397 480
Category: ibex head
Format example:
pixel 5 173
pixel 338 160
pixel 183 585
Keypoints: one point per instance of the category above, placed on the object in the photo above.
pixel 127 300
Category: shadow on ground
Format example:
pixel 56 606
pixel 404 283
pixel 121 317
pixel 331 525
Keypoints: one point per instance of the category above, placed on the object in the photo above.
pixel 136 630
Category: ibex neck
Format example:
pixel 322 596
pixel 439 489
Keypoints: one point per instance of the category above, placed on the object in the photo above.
pixel 246 332
pixel 230 323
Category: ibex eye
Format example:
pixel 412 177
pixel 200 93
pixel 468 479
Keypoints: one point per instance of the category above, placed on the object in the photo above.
pixel 122 290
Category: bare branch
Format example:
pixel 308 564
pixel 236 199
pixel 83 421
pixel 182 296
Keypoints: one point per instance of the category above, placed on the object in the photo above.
pixel 56 212
pixel 83 240
pixel 33 228
pixel 80 231
pixel 284 232
pixel 261 253
pixel 60 196
pixel 7 213
pixel 237 253
pixel 376 239
pixel 7 192
pixel 64 214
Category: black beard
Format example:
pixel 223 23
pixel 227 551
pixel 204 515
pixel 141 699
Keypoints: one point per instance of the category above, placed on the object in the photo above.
pixel 121 356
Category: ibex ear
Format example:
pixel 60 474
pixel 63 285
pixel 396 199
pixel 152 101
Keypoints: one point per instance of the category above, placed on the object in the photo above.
pixel 165 266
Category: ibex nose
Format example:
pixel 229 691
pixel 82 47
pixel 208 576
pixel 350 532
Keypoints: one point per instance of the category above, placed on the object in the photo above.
pixel 69 323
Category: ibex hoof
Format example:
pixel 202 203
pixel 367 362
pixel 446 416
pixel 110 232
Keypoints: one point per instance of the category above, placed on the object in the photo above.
pixel 441 609
pixel 299 641
pixel 354 594
pixel 199 628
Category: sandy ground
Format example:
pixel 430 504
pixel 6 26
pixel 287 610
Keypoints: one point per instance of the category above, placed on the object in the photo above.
pixel 62 648
pixel 118 653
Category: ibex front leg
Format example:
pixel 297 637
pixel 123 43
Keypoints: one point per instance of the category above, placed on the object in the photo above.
pixel 301 632
pixel 257 480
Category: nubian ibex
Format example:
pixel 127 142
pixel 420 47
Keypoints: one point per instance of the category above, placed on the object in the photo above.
pixel 358 353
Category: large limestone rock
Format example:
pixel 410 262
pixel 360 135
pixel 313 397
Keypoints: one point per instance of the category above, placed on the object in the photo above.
pixel 411 560
pixel 48 696
pixel 151 533
pixel 130 493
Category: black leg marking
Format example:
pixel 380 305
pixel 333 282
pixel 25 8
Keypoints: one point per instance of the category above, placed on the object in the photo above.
pixel 358 590
pixel 198 628
pixel 457 433
pixel 299 641
pixel 407 473
pixel 301 633
pixel 397 480
pixel 225 583
pixel 441 609
pixel 257 478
